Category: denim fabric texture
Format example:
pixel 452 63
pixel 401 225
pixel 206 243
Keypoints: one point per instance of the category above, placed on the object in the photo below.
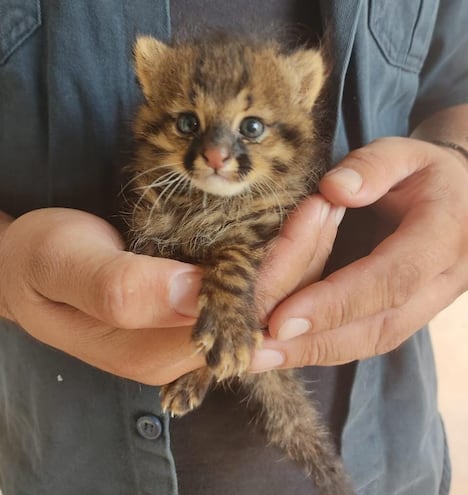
pixel 18 20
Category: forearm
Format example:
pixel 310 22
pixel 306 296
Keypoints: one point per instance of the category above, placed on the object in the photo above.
pixel 449 125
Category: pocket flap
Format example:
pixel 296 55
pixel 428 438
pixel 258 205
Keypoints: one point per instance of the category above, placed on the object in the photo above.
pixel 18 20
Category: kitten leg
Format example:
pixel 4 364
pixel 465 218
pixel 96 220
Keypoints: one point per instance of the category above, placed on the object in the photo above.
pixel 227 329
pixel 292 423
pixel 187 392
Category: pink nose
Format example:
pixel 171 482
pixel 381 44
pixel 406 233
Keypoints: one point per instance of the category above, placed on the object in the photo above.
pixel 216 157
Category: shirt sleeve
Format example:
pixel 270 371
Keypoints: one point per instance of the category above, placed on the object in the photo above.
pixel 444 77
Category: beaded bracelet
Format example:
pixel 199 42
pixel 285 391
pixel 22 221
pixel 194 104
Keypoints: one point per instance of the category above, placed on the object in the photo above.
pixel 453 146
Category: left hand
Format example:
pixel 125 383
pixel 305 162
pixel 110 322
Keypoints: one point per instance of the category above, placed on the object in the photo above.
pixel 373 305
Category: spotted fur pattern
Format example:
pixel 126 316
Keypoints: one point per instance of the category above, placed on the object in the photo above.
pixel 248 104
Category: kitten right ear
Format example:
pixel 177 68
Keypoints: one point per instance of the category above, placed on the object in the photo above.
pixel 148 53
pixel 308 73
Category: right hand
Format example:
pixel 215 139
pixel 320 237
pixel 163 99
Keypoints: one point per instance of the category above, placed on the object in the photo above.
pixel 66 279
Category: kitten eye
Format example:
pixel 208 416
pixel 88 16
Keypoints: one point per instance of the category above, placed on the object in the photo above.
pixel 251 127
pixel 187 123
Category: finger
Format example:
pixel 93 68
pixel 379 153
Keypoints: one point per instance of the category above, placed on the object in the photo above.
pixel 299 253
pixel 324 247
pixel 148 355
pixel 364 338
pixel 367 173
pixel 396 270
pixel 82 264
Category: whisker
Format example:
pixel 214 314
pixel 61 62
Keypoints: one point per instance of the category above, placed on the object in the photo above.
pixel 182 180
pixel 160 181
pixel 148 171
pixel 168 186
pixel 171 178
pixel 266 190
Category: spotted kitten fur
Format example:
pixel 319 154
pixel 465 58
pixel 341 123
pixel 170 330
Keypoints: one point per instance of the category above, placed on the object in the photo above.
pixel 227 148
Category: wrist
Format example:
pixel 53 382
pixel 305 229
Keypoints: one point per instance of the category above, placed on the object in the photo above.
pixel 455 147
pixel 448 129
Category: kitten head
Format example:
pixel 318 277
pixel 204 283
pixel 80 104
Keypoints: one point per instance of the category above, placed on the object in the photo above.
pixel 228 115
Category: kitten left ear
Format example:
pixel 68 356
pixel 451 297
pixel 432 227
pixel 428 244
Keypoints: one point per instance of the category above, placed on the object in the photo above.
pixel 307 68
pixel 148 53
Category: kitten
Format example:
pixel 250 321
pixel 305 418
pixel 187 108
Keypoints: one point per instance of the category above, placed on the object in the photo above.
pixel 227 148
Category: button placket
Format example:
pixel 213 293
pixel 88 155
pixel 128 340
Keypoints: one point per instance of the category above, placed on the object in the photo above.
pixel 150 467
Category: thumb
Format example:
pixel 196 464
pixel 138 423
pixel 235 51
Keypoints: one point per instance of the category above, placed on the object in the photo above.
pixel 81 263
pixel 368 173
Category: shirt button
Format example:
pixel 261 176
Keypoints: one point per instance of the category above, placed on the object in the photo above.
pixel 149 427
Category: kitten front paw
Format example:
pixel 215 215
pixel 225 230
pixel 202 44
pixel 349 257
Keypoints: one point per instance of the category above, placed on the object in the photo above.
pixel 228 352
pixel 186 393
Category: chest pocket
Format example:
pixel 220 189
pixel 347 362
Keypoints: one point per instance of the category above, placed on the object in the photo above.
pixel 403 29
pixel 18 20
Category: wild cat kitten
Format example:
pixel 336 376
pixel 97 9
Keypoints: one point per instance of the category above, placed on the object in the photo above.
pixel 227 147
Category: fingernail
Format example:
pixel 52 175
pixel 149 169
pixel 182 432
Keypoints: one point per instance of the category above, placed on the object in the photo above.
pixel 339 214
pixel 293 327
pixel 183 293
pixel 266 359
pixel 347 178
pixel 324 213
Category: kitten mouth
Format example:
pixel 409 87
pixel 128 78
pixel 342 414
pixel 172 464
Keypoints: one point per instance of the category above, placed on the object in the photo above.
pixel 224 175
pixel 219 182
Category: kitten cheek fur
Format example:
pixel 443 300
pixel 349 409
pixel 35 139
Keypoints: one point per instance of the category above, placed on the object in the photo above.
pixel 224 79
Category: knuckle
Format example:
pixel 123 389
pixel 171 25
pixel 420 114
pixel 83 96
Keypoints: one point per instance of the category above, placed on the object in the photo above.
pixel 340 315
pixel 119 292
pixel 389 336
pixel 401 283
pixel 316 352
pixel 308 356
pixel 337 312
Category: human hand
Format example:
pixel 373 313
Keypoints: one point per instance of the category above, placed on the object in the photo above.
pixel 374 304
pixel 297 259
pixel 66 280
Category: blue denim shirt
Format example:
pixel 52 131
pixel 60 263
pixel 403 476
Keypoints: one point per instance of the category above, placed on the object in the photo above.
pixel 67 95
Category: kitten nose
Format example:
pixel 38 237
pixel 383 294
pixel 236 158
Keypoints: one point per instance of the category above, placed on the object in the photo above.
pixel 216 156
